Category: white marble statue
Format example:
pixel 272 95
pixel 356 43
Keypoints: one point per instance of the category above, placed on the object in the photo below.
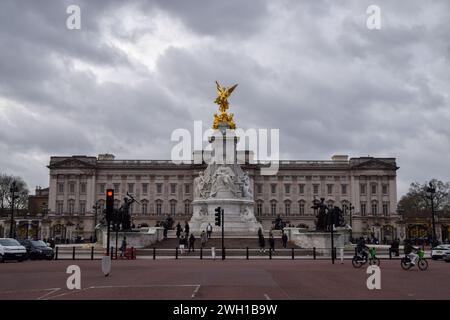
pixel 223 179
pixel 247 191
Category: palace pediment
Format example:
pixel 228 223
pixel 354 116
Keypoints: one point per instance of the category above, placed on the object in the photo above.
pixel 71 163
pixel 375 164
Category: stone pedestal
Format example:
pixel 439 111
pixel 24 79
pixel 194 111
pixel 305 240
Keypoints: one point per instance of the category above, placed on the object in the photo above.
pixel 319 240
pixel 224 184
pixel 137 239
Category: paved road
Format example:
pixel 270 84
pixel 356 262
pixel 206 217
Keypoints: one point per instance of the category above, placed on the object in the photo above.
pixel 230 279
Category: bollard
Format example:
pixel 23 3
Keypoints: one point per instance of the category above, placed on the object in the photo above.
pixel 201 253
pixel 213 253
pixel 292 253
pixel 112 252
pixel 56 253
pixel 176 253
pixel 334 253
pixel 92 253
pixel 314 253
pixel 270 253
pixel 133 256
pixel 247 253
pixel 223 253
pixel 390 254
pixel 356 252
pixel 154 253
pixel 73 253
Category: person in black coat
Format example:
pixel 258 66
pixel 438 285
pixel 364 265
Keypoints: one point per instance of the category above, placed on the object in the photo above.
pixel 262 243
pixel 284 239
pixel 186 229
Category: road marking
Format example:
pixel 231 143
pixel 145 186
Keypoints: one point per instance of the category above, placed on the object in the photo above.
pixel 195 292
pixel 123 286
pixel 266 296
pixel 52 290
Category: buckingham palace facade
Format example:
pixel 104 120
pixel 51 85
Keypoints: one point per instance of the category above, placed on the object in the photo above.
pixel 364 187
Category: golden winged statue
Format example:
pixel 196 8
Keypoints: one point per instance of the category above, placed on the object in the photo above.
pixel 223 94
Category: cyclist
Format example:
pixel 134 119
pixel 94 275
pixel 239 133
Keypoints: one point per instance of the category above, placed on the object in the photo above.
pixel 361 248
pixel 411 252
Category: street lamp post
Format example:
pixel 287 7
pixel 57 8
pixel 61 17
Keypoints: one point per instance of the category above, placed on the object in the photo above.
pixel 431 189
pixel 96 206
pixel 13 189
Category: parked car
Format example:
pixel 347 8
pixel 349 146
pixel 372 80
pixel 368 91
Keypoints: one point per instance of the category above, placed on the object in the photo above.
pixel 447 256
pixel 438 252
pixel 11 249
pixel 38 249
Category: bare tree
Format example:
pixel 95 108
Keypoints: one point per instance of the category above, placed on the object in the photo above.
pixel 417 203
pixel 5 193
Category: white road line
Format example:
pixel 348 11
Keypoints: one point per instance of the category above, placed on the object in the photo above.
pixel 266 296
pixel 195 292
pixel 126 287
pixel 53 290
pixel 28 290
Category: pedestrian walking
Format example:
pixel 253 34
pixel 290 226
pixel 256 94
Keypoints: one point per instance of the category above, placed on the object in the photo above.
pixel 186 229
pixel 179 229
pixel 204 238
pixel 284 239
pixel 181 244
pixel 209 230
pixel 191 242
pixel 123 247
pixel 272 242
pixel 262 243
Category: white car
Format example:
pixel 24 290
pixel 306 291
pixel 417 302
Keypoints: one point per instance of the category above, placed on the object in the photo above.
pixel 10 249
pixel 438 252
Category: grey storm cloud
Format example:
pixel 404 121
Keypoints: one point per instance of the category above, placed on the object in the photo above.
pixel 137 70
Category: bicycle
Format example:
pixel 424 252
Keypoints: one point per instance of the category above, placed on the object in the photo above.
pixel 422 263
pixel 359 261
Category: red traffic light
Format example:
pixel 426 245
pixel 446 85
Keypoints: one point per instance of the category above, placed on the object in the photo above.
pixel 109 193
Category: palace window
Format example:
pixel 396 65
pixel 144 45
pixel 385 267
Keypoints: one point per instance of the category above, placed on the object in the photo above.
pixel 385 189
pixel 301 208
pixel 159 188
pixel 61 187
pixel 316 189
pixel 344 189
pixel 363 208
pixel 173 188
pixel 187 208
pixel 374 208
pixel 173 207
pixel 330 189
pixel 145 188
pixel 259 208
pixel 273 188
pixel 144 208
pixel 287 208
pixel 131 187
pixel 83 188
pixel 59 207
pixel 287 188
pixel 83 207
pixel 116 188
pixel 158 208
pixel 259 188
pixel 72 187
pixel 374 188
pixel 273 208
pixel 71 206
pixel 102 188
pixel 363 188
pixel 301 188
pixel 187 188
pixel 385 208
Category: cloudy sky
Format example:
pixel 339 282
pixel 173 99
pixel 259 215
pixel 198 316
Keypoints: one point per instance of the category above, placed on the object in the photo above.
pixel 137 70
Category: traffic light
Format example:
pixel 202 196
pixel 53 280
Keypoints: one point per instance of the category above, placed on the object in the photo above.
pixel 218 215
pixel 109 204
